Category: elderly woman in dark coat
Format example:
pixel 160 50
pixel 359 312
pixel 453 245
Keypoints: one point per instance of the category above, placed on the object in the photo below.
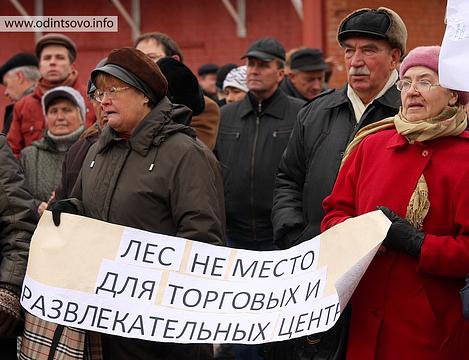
pixel 147 171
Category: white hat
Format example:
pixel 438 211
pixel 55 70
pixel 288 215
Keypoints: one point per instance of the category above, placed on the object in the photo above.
pixel 237 78
pixel 66 92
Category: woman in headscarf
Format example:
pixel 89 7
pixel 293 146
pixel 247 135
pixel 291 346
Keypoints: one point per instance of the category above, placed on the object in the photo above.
pixel 148 172
pixel 415 168
pixel 64 110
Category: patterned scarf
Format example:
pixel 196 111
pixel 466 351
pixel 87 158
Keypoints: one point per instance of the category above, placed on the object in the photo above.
pixel 452 121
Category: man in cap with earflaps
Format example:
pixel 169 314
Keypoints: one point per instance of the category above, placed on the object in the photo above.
pixel 373 41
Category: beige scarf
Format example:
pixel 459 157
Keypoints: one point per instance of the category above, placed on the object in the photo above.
pixel 452 121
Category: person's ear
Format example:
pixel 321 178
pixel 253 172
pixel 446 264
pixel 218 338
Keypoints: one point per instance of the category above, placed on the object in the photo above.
pixel 453 99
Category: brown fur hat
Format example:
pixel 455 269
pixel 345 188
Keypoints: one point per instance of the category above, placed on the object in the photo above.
pixel 380 23
pixel 136 69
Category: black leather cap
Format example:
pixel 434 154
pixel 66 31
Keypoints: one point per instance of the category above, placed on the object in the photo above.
pixel 266 49
pixel 307 60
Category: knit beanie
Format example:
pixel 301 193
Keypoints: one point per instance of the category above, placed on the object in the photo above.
pixel 237 78
pixel 427 56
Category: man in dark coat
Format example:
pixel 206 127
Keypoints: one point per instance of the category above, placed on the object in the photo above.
pixel 373 40
pixel 253 134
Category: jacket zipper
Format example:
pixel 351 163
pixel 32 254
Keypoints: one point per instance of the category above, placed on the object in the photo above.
pixel 253 162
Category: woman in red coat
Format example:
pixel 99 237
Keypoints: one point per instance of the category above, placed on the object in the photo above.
pixel 415 167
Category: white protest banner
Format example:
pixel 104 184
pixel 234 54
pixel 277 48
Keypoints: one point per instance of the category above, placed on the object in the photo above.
pixel 452 69
pixel 108 278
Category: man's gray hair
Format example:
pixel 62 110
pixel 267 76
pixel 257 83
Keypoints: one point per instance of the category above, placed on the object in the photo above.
pixel 30 72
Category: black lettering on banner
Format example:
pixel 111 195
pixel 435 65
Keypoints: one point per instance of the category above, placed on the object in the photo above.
pixel 69 310
pixel 137 251
pixel 155 319
pixel 216 266
pixel 168 328
pixel 147 252
pixel 210 296
pixel 124 287
pixel 251 331
pixel 150 290
pixel 201 330
pixel 205 263
pixel 112 290
pixel 236 330
pixel 299 323
pixel 239 263
pixel 220 331
pixel 194 324
pixel 56 308
pixel 264 268
pixel 270 299
pixel 39 304
pixel 95 308
pixel 311 290
pixel 119 321
pixel 316 319
pixel 27 294
pixel 223 297
pixel 197 299
pixel 245 304
pixel 261 331
pixel 276 274
pixel 137 325
pixel 160 256
pixel 292 295
pixel 102 317
pixel 256 300
pixel 289 331
pixel 328 308
pixel 303 267
pixel 175 287
pixel 295 258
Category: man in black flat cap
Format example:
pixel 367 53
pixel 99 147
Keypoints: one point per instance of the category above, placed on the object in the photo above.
pixel 306 71
pixel 207 74
pixel 252 136
pixel 373 40
pixel 19 75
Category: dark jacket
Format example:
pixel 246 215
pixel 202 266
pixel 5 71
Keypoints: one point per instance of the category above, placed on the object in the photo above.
pixel 71 165
pixel 310 164
pixel 161 180
pixel 249 146
pixel 288 88
pixel 18 218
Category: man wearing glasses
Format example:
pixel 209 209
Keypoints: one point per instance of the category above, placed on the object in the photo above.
pixel 373 41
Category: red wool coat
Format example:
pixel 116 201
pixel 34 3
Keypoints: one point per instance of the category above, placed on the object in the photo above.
pixel 404 308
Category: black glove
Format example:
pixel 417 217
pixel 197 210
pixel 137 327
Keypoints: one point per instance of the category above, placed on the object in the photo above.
pixel 402 236
pixel 61 206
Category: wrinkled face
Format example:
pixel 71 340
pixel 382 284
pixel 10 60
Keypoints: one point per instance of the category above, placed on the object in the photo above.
pixel 14 88
pixel 308 83
pixel 54 63
pixel 124 109
pixel 208 83
pixel 423 105
pixel 369 63
pixel 101 118
pixel 233 94
pixel 63 117
pixel 151 48
pixel 263 77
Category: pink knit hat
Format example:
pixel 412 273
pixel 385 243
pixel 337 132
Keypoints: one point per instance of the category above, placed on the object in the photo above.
pixel 427 56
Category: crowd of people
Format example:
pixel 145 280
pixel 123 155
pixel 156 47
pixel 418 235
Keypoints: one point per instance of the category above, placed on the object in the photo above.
pixel 259 156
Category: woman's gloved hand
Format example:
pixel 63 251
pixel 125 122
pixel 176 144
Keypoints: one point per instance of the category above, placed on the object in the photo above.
pixel 61 206
pixel 402 236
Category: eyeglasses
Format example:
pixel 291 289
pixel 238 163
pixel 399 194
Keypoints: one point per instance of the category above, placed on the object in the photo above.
pixel 111 93
pixel 421 85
